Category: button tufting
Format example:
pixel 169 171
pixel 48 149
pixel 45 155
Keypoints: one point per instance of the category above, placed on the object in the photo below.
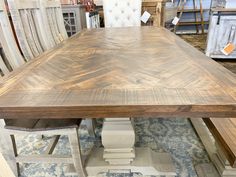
pixel 123 13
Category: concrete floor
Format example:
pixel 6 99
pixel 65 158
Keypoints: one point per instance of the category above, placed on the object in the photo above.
pixel 199 42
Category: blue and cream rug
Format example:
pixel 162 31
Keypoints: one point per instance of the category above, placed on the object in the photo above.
pixel 175 136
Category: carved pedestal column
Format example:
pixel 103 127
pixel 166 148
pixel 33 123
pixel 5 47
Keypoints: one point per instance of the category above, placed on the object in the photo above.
pixel 119 154
pixel 118 139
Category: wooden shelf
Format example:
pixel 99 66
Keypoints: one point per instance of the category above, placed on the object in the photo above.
pixel 223 9
pixel 192 23
pixel 192 10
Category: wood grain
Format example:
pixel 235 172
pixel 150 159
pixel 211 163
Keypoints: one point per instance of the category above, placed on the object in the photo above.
pixel 123 72
pixel 224 131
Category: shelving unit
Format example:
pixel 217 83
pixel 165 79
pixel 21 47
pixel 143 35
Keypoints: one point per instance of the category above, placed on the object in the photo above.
pixel 198 12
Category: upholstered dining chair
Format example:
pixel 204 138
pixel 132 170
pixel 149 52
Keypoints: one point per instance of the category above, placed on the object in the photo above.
pixel 122 13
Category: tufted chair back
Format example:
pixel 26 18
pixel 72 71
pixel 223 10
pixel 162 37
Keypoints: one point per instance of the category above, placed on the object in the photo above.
pixel 122 13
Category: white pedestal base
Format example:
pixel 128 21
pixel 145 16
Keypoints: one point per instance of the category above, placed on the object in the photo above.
pixel 146 162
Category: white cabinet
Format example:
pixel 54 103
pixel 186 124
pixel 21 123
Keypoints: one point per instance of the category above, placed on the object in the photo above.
pixel 92 19
pixel 222 31
pixel 74 18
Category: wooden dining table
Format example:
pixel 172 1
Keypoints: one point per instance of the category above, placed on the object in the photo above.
pixel 121 73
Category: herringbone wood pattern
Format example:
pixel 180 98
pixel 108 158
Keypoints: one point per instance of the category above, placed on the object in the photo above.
pixel 141 71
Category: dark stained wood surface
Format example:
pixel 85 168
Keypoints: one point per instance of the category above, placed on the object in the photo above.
pixel 142 71
pixel 224 131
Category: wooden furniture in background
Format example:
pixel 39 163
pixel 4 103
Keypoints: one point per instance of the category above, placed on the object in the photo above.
pixel 157 9
pixel 198 11
pixel 105 75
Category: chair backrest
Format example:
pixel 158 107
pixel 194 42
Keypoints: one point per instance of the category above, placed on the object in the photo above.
pixel 122 13
pixel 51 10
pixel 22 14
pixel 38 24
pixel 9 50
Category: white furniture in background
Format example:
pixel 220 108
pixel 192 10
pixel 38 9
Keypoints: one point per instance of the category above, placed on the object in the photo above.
pixel 74 18
pixel 92 19
pixel 222 31
pixel 122 13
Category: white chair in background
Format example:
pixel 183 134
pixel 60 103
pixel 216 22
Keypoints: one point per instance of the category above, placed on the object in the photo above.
pixel 122 13
pixel 51 10
pixel 12 58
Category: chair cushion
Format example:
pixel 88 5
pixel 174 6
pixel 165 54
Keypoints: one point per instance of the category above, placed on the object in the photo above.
pixel 41 124
pixel 122 13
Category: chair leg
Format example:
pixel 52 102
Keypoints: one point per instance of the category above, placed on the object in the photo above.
pixel 90 123
pixel 76 153
pixel 6 148
pixel 14 146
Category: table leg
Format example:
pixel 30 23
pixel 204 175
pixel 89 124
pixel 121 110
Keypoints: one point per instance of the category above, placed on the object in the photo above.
pixel 119 153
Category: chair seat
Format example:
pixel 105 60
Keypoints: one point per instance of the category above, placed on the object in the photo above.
pixel 41 124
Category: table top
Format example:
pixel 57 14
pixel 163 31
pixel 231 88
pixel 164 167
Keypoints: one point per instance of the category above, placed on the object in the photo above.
pixel 120 72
